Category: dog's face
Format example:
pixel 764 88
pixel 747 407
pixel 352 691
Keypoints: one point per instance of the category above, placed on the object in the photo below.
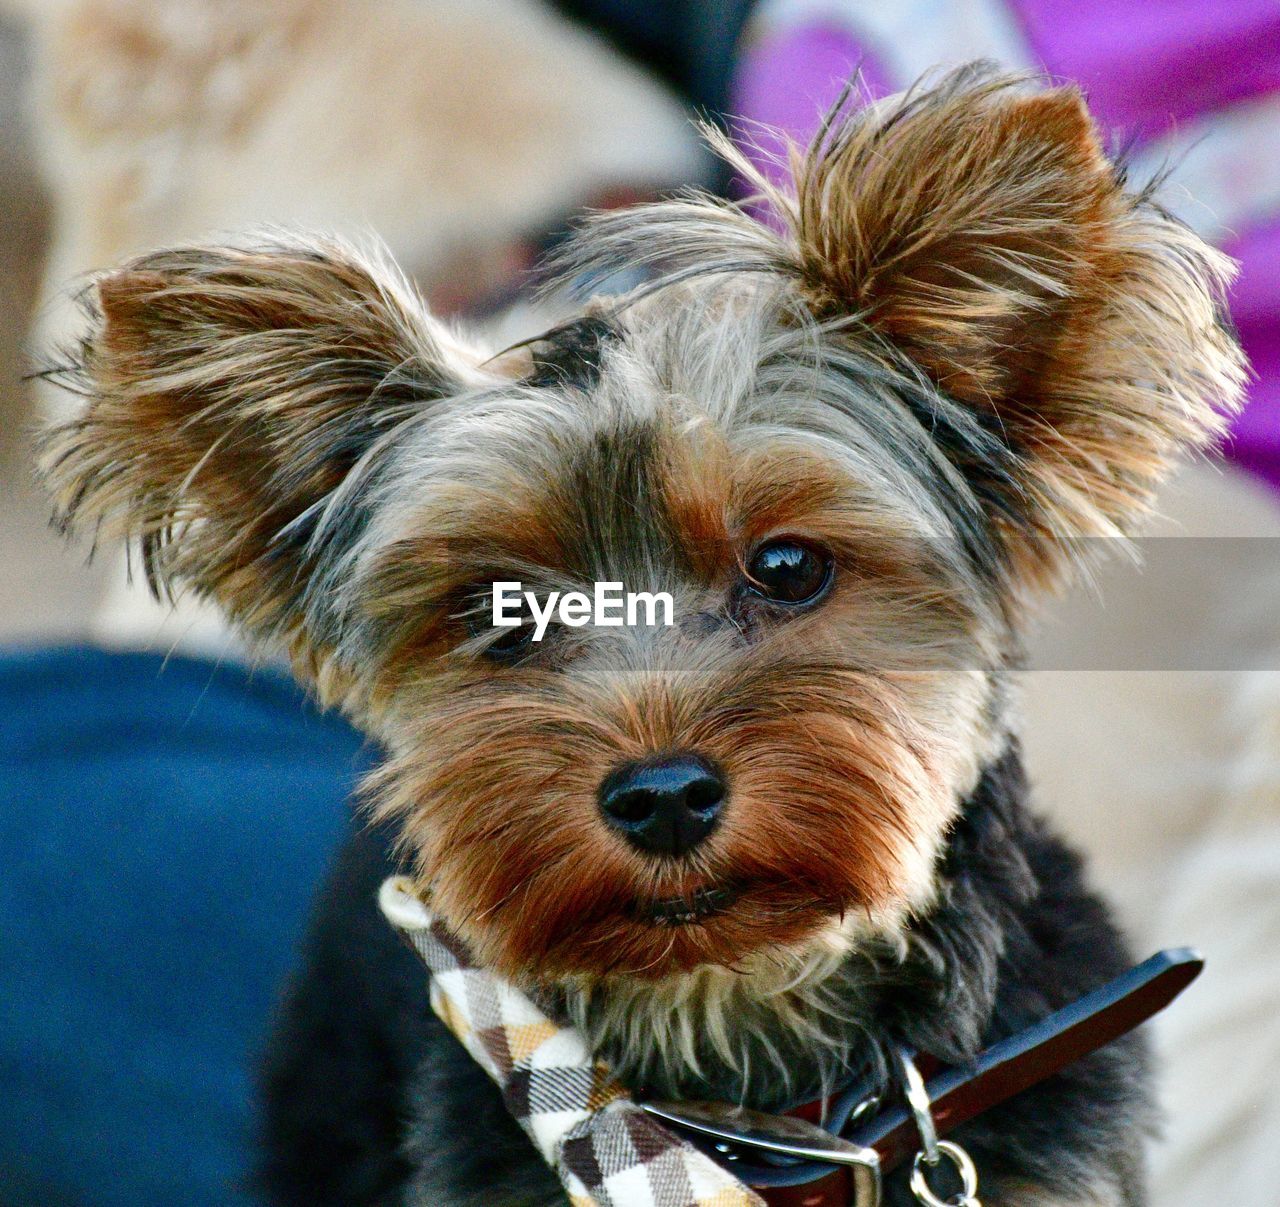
pixel 643 798
pixel 850 454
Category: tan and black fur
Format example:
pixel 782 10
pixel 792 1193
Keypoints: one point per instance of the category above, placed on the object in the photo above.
pixel 967 358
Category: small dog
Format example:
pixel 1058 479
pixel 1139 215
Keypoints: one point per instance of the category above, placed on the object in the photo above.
pixel 745 852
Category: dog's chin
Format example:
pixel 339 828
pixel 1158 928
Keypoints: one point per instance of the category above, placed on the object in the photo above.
pixel 715 925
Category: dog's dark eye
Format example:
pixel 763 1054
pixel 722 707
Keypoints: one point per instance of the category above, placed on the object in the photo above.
pixel 510 644
pixel 789 571
pixel 507 644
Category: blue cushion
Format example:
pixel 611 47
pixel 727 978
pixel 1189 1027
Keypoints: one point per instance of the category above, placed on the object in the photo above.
pixel 162 825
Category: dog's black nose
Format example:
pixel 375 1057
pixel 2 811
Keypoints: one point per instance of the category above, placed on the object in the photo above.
pixel 664 805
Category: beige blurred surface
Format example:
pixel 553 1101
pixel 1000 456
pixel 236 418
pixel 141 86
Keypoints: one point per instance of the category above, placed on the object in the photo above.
pixel 1169 778
pixel 45 591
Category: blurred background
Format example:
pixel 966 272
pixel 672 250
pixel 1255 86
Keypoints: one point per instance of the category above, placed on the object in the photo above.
pixel 166 809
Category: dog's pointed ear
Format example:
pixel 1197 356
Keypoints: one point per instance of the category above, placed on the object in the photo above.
pixel 231 393
pixel 981 231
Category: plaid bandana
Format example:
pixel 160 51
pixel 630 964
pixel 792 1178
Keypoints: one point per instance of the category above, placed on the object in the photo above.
pixel 606 1151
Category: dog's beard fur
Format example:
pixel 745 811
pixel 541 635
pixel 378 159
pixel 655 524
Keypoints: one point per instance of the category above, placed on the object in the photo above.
pixel 970 351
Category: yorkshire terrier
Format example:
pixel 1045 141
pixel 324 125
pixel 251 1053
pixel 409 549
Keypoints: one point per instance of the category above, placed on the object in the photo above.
pixel 856 429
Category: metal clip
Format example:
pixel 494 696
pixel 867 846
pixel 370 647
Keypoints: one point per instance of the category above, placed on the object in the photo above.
pixel 917 1096
pixel 932 1150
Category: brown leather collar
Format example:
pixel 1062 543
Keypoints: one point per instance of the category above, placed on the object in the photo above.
pixel 958 1093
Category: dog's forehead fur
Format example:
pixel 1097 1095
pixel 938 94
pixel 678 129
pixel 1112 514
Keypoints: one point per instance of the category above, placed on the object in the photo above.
pixel 690 426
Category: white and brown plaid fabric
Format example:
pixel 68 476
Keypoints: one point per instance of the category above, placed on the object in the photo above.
pixel 606 1151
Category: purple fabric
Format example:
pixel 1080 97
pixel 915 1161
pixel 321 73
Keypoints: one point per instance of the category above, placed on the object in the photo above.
pixel 1147 64
pixel 786 83
pixel 1255 306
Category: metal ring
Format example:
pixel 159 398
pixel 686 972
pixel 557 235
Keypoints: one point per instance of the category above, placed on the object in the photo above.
pixel 964 1167
pixel 918 1100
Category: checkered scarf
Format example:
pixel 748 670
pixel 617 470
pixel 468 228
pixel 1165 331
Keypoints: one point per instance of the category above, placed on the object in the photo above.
pixel 605 1149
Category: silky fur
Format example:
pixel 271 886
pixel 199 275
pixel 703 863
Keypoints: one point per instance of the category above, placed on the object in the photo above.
pixel 968 351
